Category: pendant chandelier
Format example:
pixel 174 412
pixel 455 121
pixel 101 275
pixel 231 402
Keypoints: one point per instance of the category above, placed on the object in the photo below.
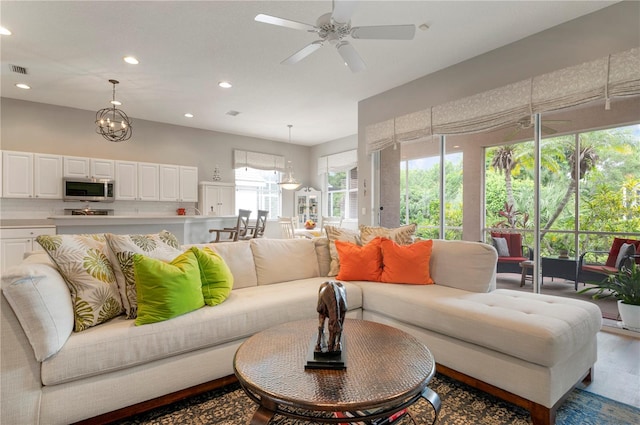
pixel 112 123
pixel 289 182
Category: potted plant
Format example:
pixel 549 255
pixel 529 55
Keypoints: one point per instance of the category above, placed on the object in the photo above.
pixel 625 287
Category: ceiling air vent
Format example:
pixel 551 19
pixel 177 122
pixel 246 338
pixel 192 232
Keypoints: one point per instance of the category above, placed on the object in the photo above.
pixel 233 113
pixel 18 69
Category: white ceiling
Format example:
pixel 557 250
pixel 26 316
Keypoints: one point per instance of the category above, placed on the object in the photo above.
pixel 71 50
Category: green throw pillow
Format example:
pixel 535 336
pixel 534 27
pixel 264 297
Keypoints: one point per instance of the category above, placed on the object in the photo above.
pixel 166 290
pixel 216 277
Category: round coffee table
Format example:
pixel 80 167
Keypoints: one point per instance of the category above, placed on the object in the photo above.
pixel 386 371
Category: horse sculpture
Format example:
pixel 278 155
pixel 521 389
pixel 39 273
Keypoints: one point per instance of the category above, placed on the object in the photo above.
pixel 332 305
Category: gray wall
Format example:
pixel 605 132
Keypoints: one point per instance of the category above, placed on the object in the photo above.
pixel 43 128
pixel 609 30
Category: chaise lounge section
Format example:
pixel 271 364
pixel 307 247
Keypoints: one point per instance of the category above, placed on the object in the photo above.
pixel 529 349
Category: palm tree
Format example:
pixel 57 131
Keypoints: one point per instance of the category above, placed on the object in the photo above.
pixel 504 161
pixel 587 158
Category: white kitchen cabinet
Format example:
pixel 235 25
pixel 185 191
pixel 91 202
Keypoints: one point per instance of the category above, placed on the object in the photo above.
pixel 178 183
pixel 136 181
pixel 217 199
pixel 307 204
pixel 16 242
pixel 29 175
pixel 188 184
pixel 148 181
pixel 84 168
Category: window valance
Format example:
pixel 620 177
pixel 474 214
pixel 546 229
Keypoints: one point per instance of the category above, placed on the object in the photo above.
pixel 258 160
pixel 337 162
pixel 615 75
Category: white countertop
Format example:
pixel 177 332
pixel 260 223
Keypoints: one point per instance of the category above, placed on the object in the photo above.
pixel 69 220
pixel 25 223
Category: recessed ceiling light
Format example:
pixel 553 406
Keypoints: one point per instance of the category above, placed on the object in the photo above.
pixel 424 27
pixel 4 31
pixel 225 84
pixel 233 113
pixel 23 86
pixel 131 60
pixel 188 115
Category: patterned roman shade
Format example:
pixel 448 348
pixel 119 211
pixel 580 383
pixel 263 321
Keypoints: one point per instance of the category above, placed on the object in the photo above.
pixel 258 160
pixel 615 75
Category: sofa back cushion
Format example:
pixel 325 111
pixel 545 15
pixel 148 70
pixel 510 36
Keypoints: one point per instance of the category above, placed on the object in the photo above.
pixel 239 259
pixel 42 303
pixel 464 265
pixel 283 260
pixel 615 250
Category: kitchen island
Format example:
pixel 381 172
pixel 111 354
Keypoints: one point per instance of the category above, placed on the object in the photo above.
pixel 189 229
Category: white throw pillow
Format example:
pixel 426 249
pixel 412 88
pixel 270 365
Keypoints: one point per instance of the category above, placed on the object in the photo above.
pixel 41 301
pixel 500 244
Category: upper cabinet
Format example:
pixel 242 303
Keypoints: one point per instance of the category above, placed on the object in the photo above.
pixel 86 168
pixel 137 181
pixel 178 183
pixel 217 198
pixel 31 175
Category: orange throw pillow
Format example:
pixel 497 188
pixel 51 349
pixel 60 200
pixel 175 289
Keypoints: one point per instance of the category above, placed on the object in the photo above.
pixel 359 262
pixel 406 263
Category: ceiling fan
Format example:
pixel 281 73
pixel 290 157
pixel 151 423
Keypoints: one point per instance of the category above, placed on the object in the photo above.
pixel 526 123
pixel 334 28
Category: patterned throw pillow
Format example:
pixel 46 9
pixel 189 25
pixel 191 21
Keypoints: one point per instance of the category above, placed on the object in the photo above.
pixel 402 235
pixel 84 263
pixel 161 246
pixel 339 234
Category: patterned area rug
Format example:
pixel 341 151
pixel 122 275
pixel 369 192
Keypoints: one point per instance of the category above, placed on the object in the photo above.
pixel 461 405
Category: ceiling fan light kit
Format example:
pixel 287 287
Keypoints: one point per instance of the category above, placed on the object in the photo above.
pixel 334 28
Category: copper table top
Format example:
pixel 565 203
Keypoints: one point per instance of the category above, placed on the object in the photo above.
pixel 385 368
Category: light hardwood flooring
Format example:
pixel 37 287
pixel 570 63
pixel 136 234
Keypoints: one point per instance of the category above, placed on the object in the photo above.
pixel 617 371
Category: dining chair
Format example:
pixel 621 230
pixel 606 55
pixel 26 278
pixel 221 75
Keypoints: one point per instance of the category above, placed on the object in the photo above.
pixel 331 221
pixel 261 225
pixel 286 227
pixel 234 233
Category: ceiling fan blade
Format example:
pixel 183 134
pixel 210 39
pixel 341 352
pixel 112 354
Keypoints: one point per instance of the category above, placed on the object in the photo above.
pixel 548 130
pixel 385 32
pixel 302 53
pixel 350 56
pixel 511 136
pixel 274 20
pixel 343 10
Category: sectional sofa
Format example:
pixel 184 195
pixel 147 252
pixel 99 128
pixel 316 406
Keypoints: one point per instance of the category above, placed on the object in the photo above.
pixel 529 349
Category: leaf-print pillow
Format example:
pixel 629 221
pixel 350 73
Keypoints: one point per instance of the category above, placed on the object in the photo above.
pixel 83 262
pixel 161 246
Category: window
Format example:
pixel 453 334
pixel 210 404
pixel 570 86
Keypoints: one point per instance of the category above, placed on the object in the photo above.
pixel 258 190
pixel 342 193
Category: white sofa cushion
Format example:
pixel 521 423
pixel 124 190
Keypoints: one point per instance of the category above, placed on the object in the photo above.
pixel 284 260
pixel 119 344
pixel 540 329
pixel 239 258
pixel 464 265
pixel 42 302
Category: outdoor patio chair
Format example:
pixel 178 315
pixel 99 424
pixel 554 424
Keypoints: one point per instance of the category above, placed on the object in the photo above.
pixel 511 252
pixel 622 251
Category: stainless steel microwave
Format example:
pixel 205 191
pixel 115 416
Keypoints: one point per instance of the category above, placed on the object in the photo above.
pixel 88 190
